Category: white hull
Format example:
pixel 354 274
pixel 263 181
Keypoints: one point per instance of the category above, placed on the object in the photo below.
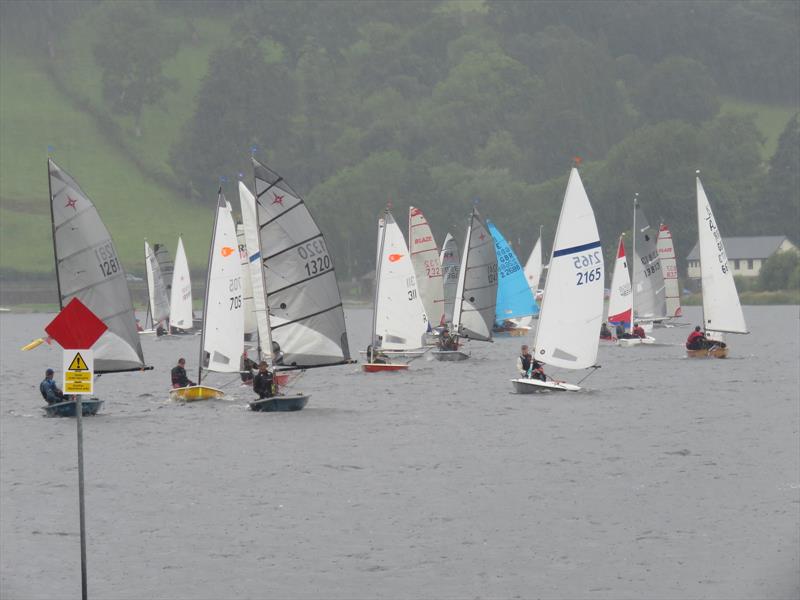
pixel 536 386
pixel 628 342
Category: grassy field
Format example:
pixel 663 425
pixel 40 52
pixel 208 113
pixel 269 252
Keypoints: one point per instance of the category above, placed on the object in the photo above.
pixel 770 119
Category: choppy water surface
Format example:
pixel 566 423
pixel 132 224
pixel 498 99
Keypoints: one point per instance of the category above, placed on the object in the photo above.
pixel 669 478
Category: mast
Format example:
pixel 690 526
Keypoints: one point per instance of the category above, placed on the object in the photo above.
pixel 377 287
pixel 220 203
pixel 53 228
pixel 147 284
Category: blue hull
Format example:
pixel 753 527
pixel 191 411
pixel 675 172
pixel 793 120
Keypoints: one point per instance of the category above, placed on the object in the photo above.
pixel 280 403
pixel 67 409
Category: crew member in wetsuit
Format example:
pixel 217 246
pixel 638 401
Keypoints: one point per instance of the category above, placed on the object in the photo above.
pixel 179 378
pixel 49 390
pixel 263 382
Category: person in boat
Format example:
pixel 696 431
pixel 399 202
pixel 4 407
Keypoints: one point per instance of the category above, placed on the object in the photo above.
pixel 638 331
pixel 246 367
pixel 179 378
pixel 605 332
pixel 264 381
pixel 49 390
pixel 277 353
pixel 697 340
pixel 160 330
pixel 620 330
pixel 447 342
pixel 524 361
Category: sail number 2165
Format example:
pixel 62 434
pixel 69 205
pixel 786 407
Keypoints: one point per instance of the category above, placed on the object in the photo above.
pixel 587 275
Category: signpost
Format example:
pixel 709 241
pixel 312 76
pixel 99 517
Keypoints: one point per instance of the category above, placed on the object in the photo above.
pixel 78 328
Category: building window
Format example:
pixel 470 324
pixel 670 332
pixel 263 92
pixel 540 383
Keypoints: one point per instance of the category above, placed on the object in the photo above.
pixel 750 264
pixel 736 264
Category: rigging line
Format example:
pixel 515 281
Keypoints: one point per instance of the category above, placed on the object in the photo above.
pixel 593 369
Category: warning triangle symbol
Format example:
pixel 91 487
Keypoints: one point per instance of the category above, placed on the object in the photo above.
pixel 78 364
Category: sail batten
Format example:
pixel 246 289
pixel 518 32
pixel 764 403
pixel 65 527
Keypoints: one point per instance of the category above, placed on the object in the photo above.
pixel 88 268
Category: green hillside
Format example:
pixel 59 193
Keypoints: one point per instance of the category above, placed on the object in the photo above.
pixel 770 119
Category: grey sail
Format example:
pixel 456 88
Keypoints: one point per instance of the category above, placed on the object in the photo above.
pixel 649 299
pixel 167 266
pixel 477 291
pixel 88 268
pixel 451 264
pixel 304 304
pixel 159 300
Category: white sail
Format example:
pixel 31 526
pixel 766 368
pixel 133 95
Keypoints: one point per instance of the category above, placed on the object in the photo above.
pixel 156 290
pixel 722 311
pixel 669 265
pixel 451 265
pixel 572 307
pixel 250 222
pixel 305 307
pixel 223 319
pixel 476 293
pixel 247 285
pixel 620 308
pixel 427 267
pixel 88 268
pixel 399 318
pixel 180 304
pixel 648 280
pixel 533 267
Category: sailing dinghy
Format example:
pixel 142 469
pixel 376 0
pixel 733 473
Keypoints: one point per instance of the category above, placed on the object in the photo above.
pixel 620 308
pixel 88 268
pixel 181 317
pixel 572 306
pixel 222 333
pixel 399 322
pixel 476 291
pixel 514 297
pixel 669 265
pixel 157 299
pixel 305 318
pixel 722 310
pixel 427 267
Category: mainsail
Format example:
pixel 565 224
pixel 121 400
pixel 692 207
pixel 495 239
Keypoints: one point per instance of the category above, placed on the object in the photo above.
pixel 305 307
pixel 166 265
pixel 722 311
pixel 533 267
pixel 180 303
pixel 514 296
pixel 222 341
pixel 427 267
pixel 88 268
pixel 619 303
pixel 158 302
pixel 451 265
pixel 399 317
pixel 476 294
pixel 572 308
pixel 648 281
pixel 669 265
pixel 250 222
pixel 247 286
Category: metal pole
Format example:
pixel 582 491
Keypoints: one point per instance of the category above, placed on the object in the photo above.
pixel 79 416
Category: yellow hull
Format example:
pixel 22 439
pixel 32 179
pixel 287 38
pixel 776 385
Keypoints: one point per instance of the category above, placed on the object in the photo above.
pixel 195 393
pixel 715 352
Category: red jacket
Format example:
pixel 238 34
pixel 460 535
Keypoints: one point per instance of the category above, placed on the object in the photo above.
pixel 639 332
pixel 694 337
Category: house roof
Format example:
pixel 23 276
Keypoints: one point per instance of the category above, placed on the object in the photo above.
pixel 762 246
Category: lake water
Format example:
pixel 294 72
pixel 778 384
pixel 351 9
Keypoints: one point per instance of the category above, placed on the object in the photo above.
pixel 668 478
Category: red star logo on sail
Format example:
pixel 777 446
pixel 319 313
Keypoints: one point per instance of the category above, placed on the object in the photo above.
pixel 277 199
pixel 71 202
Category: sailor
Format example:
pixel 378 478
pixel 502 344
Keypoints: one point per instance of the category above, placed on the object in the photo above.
pixel 537 370
pixel 697 340
pixel 447 341
pixel 246 367
pixel 638 331
pixel 49 390
pixel 160 330
pixel 263 382
pixel 277 353
pixel 179 378
pixel 524 362
pixel 620 329
pixel 605 332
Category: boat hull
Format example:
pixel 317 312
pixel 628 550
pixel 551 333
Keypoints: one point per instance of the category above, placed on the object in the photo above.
pixel 536 386
pixel 286 403
pixel 379 367
pixel 195 393
pixel 713 352
pixel 628 342
pixel 89 407
pixel 511 331
pixel 449 355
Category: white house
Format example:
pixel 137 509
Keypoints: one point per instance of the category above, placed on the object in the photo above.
pixel 746 255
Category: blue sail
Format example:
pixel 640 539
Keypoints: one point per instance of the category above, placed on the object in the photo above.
pixel 514 296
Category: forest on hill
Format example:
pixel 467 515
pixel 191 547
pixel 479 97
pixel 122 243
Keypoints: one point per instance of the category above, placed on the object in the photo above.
pixel 436 104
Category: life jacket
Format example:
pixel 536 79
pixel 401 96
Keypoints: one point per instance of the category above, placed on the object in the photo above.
pixel 526 362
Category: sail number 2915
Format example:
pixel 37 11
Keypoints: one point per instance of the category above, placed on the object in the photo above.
pixel 589 267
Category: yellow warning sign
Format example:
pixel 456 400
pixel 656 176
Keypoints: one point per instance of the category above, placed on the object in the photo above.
pixel 78 364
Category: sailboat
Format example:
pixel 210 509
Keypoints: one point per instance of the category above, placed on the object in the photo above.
pixel 451 265
pixel 572 307
pixel 399 322
pixel 181 317
pixel 88 268
pixel 514 297
pixel 222 334
pixel 157 299
pixel 476 292
pixel 669 265
pixel 427 267
pixel 722 311
pixel 305 318
pixel 620 307
pixel 648 280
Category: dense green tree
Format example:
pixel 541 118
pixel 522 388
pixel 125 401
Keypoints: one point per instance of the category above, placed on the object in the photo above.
pixel 780 271
pixel 131 48
pixel 778 209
